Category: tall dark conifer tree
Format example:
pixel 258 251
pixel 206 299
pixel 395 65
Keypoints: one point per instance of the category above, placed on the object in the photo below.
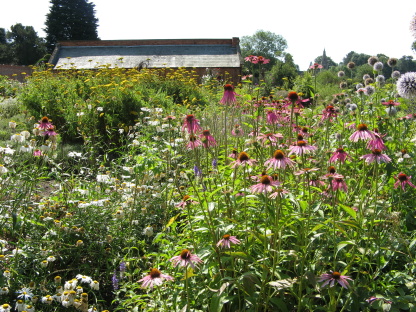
pixel 70 20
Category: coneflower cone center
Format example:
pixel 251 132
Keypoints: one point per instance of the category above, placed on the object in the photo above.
pixel 402 177
pixel 243 156
pixel 362 127
pixel 336 275
pixel 226 236
pixel 154 273
pixel 278 154
pixel 265 180
pixel 185 254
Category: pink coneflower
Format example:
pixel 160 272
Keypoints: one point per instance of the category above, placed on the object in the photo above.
pixel 316 66
pixel 169 118
pixel 237 131
pixel 338 183
pixel 301 147
pixel 186 258
pixel 37 152
pixel 234 154
pixel 334 277
pixel 306 171
pixel 340 155
pixel 279 161
pixel 155 277
pixel 186 200
pixel 376 156
pixel 390 103
pixel 227 240
pixel 50 131
pixel 260 60
pixel 265 186
pixel 194 142
pixel 272 118
pixel 191 124
pixel 314 181
pixel 250 58
pixel 45 123
pixel 377 143
pixel 293 96
pixel 329 112
pixel 228 97
pixel 270 138
pixel 278 193
pixel 242 160
pixel 402 180
pixel 363 133
pixel 207 139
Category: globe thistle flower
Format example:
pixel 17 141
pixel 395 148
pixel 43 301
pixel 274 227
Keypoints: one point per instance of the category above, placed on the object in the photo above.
pixel 413 26
pixel 366 76
pixel 359 86
pixel 155 277
pixel 403 179
pixel 406 85
pixel 279 161
pixel 376 156
pixel 341 73
pixel 350 65
pixel 378 66
pixel 372 60
pixel 368 81
pixel 185 258
pixel 343 85
pixel 395 74
pixel 369 90
pixel 227 240
pixel 334 277
pixel 392 61
pixel 380 79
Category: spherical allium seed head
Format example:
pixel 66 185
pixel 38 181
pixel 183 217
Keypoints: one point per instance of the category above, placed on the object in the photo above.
pixel 341 73
pixel 406 85
pixel 378 66
pixel 392 61
pixel 372 60
pixel 343 85
pixel 351 65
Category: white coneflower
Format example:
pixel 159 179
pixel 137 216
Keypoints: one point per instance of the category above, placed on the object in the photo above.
pixel 95 285
pixel 3 169
pixel 148 231
pixel 406 85
pixel 12 124
pixel 18 138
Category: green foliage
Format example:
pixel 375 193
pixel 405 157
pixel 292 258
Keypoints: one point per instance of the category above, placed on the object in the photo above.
pixel 70 20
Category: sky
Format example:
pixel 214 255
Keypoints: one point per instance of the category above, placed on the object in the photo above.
pixel 309 27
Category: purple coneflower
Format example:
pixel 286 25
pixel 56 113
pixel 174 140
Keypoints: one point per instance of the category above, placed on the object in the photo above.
pixel 334 277
pixel 265 186
pixel 390 103
pixel 186 258
pixel 272 118
pixel 377 143
pixel 234 154
pixel 44 123
pixel 50 131
pixel 191 124
pixel 278 193
pixel 306 170
pixel 279 161
pixel 242 160
pixel 329 112
pixel 194 142
pixel 376 156
pixel 301 147
pixel 207 139
pixel 338 183
pixel 155 277
pixel 229 95
pixel 362 133
pixel 237 131
pixel 402 180
pixel 270 138
pixel 340 155
pixel 227 240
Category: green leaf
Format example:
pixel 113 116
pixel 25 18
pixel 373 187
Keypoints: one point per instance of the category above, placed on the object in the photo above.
pixel 349 210
pixel 341 245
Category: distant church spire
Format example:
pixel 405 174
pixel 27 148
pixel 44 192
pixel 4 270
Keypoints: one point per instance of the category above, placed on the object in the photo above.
pixel 324 60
